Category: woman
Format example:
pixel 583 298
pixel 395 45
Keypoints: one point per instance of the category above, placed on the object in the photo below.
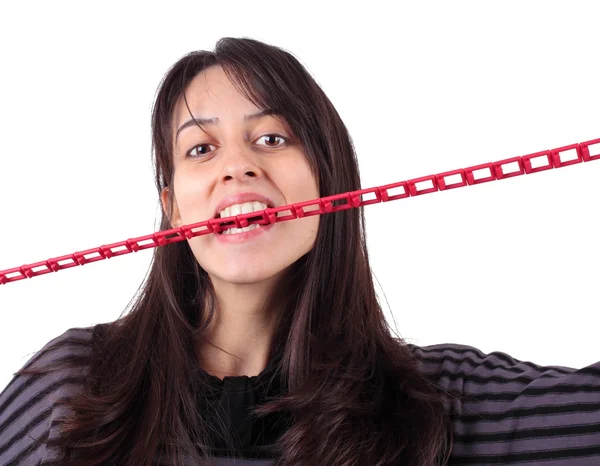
pixel 269 346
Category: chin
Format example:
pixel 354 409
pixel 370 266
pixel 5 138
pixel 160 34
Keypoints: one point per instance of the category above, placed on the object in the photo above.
pixel 241 274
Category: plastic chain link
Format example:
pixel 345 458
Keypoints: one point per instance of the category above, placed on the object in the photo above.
pixel 515 166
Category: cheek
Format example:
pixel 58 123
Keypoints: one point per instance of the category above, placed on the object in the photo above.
pixel 192 198
pixel 299 234
pixel 298 183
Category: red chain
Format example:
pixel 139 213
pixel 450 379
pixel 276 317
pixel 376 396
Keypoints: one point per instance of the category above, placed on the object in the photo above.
pixel 495 171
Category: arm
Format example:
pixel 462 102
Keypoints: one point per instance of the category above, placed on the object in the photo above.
pixel 515 412
pixel 28 403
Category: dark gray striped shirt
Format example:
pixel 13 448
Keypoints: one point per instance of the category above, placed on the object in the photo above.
pixel 511 412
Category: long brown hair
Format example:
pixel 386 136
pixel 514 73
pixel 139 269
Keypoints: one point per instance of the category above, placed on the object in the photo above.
pixel 353 392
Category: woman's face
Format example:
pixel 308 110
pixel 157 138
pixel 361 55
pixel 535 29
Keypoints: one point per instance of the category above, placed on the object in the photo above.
pixel 238 154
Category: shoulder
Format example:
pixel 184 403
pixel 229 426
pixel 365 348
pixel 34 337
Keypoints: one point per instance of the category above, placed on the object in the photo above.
pixel 454 360
pixel 29 403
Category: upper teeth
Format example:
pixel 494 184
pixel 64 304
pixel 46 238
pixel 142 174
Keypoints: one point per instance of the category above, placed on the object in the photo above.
pixel 244 208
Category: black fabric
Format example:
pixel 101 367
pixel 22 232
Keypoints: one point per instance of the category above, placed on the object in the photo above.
pixel 231 399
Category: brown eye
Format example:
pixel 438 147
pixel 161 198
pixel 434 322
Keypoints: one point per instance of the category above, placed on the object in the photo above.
pixel 272 140
pixel 200 150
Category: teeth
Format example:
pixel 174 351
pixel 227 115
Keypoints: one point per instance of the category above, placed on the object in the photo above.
pixel 233 231
pixel 243 208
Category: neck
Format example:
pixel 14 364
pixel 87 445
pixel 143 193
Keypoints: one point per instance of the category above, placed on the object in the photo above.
pixel 239 340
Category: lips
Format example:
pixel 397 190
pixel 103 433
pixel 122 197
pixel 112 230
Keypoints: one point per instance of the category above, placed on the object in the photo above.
pixel 239 198
pixel 240 238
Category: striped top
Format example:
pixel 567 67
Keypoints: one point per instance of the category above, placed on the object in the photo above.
pixel 511 412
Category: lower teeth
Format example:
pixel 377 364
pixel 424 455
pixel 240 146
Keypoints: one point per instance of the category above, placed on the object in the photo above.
pixel 233 231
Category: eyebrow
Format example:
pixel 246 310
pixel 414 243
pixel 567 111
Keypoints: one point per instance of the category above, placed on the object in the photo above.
pixel 215 120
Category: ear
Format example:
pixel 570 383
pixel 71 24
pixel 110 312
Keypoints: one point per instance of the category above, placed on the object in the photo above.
pixel 175 218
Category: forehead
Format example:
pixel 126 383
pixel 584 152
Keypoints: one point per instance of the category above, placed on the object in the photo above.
pixel 211 94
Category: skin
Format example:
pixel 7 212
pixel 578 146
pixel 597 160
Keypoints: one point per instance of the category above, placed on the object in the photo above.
pixel 229 157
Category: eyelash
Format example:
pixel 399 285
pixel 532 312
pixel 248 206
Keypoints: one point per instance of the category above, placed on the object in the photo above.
pixel 187 155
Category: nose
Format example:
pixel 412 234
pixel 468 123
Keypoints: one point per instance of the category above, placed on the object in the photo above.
pixel 239 163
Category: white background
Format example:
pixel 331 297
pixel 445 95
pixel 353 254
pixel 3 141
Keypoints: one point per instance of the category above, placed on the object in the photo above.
pixel 424 87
